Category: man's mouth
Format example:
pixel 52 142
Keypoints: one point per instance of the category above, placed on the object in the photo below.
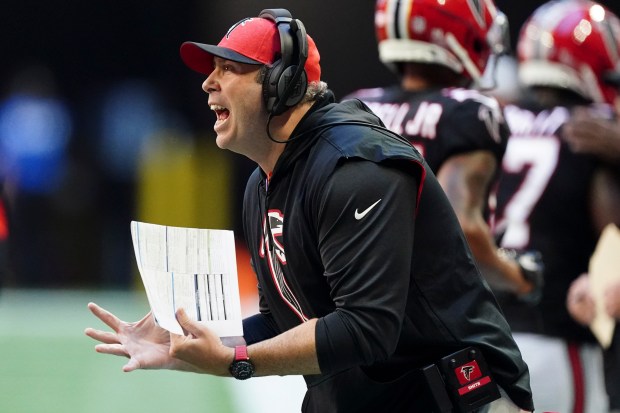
pixel 221 112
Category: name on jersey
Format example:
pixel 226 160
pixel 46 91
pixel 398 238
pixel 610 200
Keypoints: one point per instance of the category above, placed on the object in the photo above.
pixel 523 122
pixel 394 116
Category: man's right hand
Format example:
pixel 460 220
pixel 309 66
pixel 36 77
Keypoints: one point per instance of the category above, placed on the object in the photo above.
pixel 146 344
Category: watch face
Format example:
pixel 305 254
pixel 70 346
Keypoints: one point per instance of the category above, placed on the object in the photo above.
pixel 242 369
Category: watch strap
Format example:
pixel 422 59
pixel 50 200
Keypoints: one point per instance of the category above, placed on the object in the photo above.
pixel 241 368
pixel 241 353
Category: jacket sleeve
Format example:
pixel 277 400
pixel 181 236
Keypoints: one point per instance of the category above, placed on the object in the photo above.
pixel 259 327
pixel 367 215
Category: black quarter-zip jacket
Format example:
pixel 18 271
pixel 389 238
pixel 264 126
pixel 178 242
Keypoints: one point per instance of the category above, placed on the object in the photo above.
pixel 353 228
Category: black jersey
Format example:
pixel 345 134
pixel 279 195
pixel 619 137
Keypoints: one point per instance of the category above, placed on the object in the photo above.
pixel 542 204
pixel 331 236
pixel 440 123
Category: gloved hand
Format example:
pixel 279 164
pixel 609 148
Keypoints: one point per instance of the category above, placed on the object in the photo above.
pixel 532 268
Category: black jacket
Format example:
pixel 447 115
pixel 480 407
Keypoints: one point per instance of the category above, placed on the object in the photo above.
pixel 362 237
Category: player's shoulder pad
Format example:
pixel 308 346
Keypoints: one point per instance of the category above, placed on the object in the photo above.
pixel 486 108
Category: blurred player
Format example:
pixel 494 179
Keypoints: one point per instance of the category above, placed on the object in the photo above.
pixel 555 200
pixel 440 51
pixel 590 134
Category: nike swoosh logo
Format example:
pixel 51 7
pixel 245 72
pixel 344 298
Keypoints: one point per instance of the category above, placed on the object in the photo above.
pixel 360 215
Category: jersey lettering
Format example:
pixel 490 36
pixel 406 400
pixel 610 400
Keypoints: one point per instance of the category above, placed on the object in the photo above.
pixel 532 154
pixel 391 114
pixel 535 157
pixel 523 122
pixel 423 123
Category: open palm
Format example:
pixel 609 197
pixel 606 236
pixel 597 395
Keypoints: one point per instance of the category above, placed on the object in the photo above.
pixel 146 344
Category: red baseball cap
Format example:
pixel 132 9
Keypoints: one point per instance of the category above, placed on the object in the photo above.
pixel 253 40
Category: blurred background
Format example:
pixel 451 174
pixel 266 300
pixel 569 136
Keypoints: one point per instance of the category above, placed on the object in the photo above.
pixel 101 124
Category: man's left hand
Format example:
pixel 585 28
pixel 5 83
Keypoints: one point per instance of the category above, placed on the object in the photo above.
pixel 200 347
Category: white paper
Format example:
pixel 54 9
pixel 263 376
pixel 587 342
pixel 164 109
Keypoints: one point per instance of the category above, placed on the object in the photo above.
pixel 604 270
pixel 190 268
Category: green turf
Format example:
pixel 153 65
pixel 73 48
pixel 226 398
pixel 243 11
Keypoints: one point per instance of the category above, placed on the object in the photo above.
pixel 48 365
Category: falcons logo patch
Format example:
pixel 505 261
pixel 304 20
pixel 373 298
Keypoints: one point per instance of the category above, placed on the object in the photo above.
pixel 466 371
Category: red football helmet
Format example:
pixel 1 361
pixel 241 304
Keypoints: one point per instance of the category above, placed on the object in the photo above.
pixel 571 44
pixel 458 34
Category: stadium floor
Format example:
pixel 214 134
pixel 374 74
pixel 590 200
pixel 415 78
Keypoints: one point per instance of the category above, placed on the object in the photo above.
pixel 49 366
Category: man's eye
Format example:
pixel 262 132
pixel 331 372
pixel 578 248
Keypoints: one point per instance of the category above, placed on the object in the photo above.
pixel 227 68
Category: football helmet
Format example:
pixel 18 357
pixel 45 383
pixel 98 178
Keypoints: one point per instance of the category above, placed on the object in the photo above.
pixel 574 45
pixel 458 34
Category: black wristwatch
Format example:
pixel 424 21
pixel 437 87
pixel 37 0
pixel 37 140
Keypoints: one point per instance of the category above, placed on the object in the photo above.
pixel 241 367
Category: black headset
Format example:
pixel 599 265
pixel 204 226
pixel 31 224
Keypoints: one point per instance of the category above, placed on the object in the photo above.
pixel 286 81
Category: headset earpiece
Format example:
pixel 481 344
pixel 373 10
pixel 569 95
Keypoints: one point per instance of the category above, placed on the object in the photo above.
pixel 274 87
pixel 286 81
